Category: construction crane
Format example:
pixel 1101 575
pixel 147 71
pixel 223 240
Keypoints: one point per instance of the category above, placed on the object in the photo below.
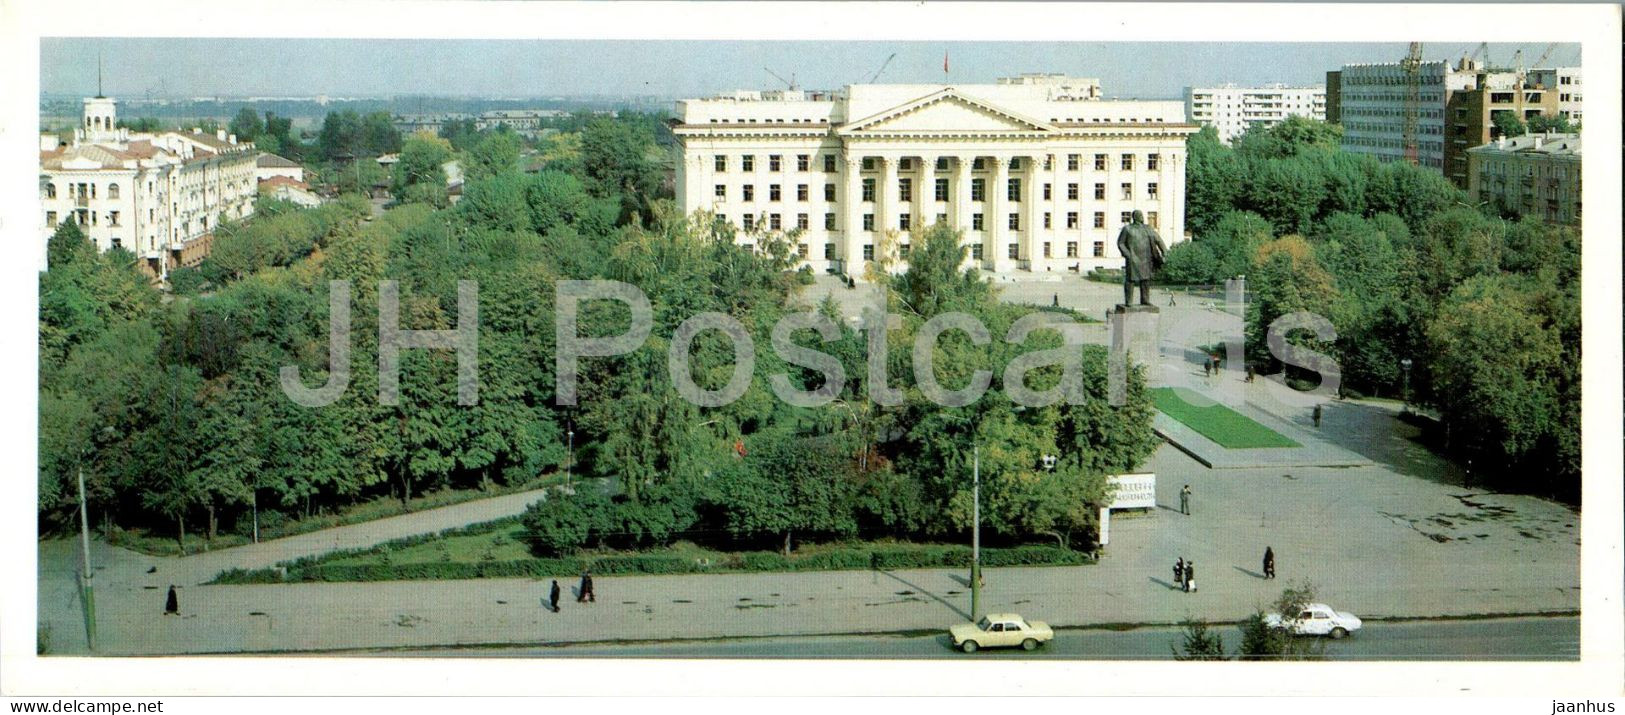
pixel 789 83
pixel 883 67
pixel 1412 65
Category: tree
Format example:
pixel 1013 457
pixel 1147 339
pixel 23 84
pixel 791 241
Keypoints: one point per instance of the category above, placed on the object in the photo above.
pixel 1287 280
pixel 1199 643
pixel 496 154
pixel 247 125
pixel 340 135
pixel 1507 124
pixel 419 175
pixel 1213 180
pixel 1542 123
pixel 379 135
pixel 1261 641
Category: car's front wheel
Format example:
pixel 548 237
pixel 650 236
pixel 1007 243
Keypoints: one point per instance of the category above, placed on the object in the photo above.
pixel 1029 644
pixel 968 646
pixel 1338 633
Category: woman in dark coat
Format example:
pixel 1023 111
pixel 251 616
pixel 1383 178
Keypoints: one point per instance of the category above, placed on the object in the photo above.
pixel 172 604
pixel 1269 562
pixel 1179 573
pixel 1190 575
pixel 553 596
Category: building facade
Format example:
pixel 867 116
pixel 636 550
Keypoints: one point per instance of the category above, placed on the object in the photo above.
pixel 1370 103
pixel 1037 172
pixel 159 196
pixel 1533 175
pixel 1472 114
pixel 1233 110
pixel 1565 81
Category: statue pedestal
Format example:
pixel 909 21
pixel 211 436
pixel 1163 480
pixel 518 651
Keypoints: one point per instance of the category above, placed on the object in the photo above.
pixel 1135 338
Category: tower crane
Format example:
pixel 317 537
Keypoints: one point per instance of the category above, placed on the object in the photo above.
pixel 883 67
pixel 789 83
pixel 1412 66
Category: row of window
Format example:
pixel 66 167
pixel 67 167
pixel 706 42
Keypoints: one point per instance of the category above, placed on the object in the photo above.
pixel 88 189
pixel 775 162
pixel 905 222
pixel 1012 250
pixel 905 191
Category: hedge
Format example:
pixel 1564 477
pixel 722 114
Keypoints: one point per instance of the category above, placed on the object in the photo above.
pixel 839 559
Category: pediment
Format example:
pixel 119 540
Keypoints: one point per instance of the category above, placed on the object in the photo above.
pixel 943 112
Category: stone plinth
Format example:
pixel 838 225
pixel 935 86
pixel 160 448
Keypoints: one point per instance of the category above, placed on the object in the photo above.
pixel 1134 330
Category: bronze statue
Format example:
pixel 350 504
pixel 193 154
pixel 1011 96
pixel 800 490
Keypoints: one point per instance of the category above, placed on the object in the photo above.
pixel 1143 252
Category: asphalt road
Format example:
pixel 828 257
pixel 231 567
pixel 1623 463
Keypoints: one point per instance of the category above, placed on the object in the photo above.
pixel 1499 639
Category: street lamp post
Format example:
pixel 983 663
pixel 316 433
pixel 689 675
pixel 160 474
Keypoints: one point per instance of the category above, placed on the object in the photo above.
pixel 976 534
pixel 1405 367
pixel 85 577
pixel 570 458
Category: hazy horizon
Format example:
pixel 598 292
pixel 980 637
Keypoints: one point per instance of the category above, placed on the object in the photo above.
pixel 238 68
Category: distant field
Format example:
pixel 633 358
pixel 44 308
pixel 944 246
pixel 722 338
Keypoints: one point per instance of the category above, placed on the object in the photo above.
pixel 1226 427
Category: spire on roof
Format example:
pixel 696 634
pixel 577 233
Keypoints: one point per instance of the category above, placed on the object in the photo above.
pixel 99 94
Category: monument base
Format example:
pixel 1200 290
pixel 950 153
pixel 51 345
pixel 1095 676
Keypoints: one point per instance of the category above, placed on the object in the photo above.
pixel 1135 338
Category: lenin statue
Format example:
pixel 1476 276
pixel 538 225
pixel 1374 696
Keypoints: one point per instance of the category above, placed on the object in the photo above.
pixel 1143 252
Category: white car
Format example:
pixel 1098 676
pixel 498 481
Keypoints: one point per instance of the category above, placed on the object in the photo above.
pixel 1317 619
pixel 1000 630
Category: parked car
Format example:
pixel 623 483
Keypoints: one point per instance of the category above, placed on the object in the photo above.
pixel 1317 619
pixel 1000 630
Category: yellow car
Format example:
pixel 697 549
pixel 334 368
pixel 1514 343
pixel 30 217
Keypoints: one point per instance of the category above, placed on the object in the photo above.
pixel 1000 630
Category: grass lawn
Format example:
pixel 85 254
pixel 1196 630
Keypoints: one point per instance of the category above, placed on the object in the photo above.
pixel 1226 427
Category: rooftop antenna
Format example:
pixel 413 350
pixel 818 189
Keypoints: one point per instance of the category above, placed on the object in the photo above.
pixel 99 94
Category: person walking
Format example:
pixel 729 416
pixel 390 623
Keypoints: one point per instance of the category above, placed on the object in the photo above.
pixel 1179 573
pixel 172 604
pixel 1317 416
pixel 1190 577
pixel 1185 500
pixel 1056 301
pixel 1269 562
pixel 553 596
pixel 586 594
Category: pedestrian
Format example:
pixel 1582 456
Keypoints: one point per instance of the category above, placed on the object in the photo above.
pixel 1207 367
pixel 553 596
pixel 1190 576
pixel 1185 500
pixel 172 604
pixel 586 593
pixel 1317 416
pixel 1179 573
pixel 1269 562
pixel 1056 301
pixel 1170 297
pixel 1250 373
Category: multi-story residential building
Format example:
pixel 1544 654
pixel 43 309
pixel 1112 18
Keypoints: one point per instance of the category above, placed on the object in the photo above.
pixel 1565 81
pixel 1370 103
pixel 1472 114
pixel 1532 175
pixel 159 196
pixel 1233 110
pixel 1037 172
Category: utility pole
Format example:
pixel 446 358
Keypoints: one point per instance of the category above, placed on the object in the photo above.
pixel 976 534
pixel 85 575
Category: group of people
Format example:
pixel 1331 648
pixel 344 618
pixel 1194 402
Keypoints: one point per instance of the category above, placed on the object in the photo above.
pixel 584 592
pixel 1185 571
pixel 1185 575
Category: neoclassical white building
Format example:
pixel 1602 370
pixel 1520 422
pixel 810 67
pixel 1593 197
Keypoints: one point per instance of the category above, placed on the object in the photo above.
pixel 159 196
pixel 1037 171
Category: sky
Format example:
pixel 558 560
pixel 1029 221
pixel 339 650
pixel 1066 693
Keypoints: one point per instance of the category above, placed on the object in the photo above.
pixel 138 67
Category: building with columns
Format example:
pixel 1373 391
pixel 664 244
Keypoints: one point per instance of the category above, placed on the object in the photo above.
pixel 1037 172
pixel 159 196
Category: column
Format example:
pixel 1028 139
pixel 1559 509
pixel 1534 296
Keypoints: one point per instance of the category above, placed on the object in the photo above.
pixel 925 196
pixel 959 201
pixel 1032 220
pixel 886 201
pixel 993 219
pixel 1176 192
pixel 959 207
pixel 852 216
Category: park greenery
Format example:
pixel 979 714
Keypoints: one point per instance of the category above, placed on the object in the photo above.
pixel 1404 266
pixel 171 404
pixel 1259 641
